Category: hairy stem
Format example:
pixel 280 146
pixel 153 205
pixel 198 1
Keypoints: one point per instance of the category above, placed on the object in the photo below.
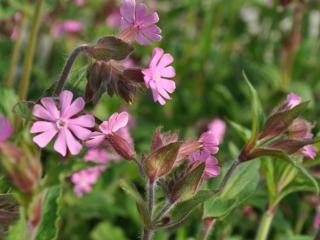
pixel 15 53
pixel 265 224
pixel 67 67
pixel 28 59
pixel 206 228
pixel 147 233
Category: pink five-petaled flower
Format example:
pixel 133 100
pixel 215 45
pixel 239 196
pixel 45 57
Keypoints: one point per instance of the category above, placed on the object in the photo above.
pixel 63 121
pixel 211 163
pixel 137 24
pixel 85 179
pixel 209 142
pixel 112 125
pixel 158 74
pixel 97 155
pixel 6 129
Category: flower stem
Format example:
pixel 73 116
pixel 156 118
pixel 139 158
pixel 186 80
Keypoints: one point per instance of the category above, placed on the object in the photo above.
pixel 148 233
pixel 208 224
pixel 265 224
pixel 15 53
pixel 28 59
pixel 67 67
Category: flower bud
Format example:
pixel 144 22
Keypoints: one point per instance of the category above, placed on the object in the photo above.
pixel 121 146
pixel 300 129
pixel 22 165
pixel 161 139
pixel 161 161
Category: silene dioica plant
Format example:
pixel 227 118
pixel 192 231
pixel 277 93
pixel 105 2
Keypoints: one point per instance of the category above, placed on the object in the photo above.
pixel 176 171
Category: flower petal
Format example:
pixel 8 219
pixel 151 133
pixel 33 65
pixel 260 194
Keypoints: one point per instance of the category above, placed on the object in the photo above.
pixel 65 99
pixel 40 112
pixel 42 126
pixel 140 12
pixel 79 132
pixel 44 138
pixel 60 144
pixel 74 108
pixel 87 121
pixel 166 60
pixel 121 121
pixel 168 72
pixel 50 106
pixel 73 145
pixel 127 10
pixel 156 55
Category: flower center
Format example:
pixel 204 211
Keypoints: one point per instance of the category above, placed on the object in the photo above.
pixel 60 124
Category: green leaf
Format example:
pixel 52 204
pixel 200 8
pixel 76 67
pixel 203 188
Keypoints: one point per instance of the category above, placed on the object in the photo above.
pixel 186 207
pixel 160 162
pixel 256 108
pixel 48 227
pixel 242 131
pixel 282 155
pixel 141 204
pixel 110 48
pixel 106 231
pixel 241 185
pixel 8 100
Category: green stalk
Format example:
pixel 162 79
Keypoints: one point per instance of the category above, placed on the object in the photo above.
pixel 206 228
pixel 15 54
pixel 265 224
pixel 28 59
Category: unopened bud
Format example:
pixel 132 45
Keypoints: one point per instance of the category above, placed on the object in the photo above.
pixel 121 146
pixel 300 129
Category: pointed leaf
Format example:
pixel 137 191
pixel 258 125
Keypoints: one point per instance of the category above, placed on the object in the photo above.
pixel 141 204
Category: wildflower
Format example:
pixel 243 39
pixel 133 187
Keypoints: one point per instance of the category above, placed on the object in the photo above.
pixel 293 100
pixel 158 74
pixel 209 142
pixel 65 122
pixel 85 179
pixel 218 126
pixel 211 163
pixel 137 24
pixel 316 221
pixel 308 151
pixel 68 26
pixel 80 2
pixel 109 131
pixel 6 129
pixel 97 155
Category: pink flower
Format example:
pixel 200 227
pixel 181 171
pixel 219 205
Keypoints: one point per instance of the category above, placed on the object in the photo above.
pixel 6 129
pixel 308 151
pixel 156 76
pixel 210 142
pixel 64 121
pixel 85 179
pixel 211 163
pixel 137 24
pixel 68 26
pixel 316 221
pixel 80 2
pixel 114 19
pixel 218 126
pixel 293 100
pixel 97 155
pixel 112 125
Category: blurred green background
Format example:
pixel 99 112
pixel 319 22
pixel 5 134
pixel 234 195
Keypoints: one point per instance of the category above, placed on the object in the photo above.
pixel 275 42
